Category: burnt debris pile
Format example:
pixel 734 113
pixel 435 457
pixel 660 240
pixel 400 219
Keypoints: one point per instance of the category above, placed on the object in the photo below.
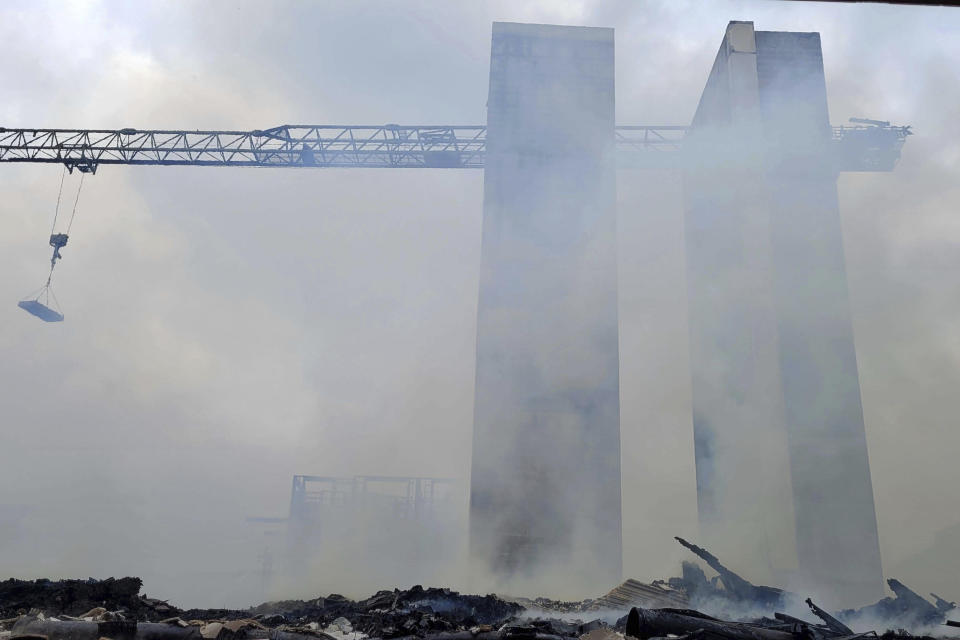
pixel 730 593
pixel 74 597
pixel 907 609
pixel 727 586
pixel 690 607
pixel 94 610
pixel 688 624
pixel 389 614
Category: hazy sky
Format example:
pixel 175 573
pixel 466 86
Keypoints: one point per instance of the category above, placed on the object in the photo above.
pixel 227 328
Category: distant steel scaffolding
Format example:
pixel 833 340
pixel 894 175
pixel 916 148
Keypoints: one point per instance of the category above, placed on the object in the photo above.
pixel 410 498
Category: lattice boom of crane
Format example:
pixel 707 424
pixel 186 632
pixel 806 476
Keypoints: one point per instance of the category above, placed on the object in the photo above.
pixel 855 148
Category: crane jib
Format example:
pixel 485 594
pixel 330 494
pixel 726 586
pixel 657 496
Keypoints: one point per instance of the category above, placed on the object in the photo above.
pixel 870 145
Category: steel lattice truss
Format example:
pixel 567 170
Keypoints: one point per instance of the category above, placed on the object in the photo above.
pixel 871 148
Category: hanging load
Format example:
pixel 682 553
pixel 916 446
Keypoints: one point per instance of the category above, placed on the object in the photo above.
pixel 58 241
pixel 42 311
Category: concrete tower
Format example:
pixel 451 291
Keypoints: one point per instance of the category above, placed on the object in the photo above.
pixel 775 384
pixel 545 490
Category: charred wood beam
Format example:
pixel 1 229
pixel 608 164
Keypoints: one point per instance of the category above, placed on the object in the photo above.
pixel 739 587
pixel 116 630
pixel 63 630
pixel 815 631
pixel 831 622
pixel 276 634
pixel 508 633
pixel 913 600
pixel 791 620
pixel 695 580
pixel 943 606
pixel 656 623
pixel 734 583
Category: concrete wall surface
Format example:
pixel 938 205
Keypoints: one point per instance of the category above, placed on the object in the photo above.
pixel 545 490
pixel 780 444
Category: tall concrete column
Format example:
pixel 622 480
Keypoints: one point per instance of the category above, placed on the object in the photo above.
pixel 545 490
pixel 776 393
pixel 743 483
pixel 837 540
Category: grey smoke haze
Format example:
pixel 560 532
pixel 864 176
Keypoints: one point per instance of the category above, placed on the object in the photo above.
pixel 229 328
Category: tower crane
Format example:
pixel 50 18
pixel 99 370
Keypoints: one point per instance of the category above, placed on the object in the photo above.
pixel 869 145
pixel 864 145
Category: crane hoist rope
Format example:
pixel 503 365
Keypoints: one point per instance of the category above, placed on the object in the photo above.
pixel 58 241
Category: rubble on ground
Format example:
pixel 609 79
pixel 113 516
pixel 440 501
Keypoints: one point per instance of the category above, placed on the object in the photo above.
pixel 75 597
pixel 735 588
pixel 907 608
pixel 389 614
pixel 906 612
pixel 685 608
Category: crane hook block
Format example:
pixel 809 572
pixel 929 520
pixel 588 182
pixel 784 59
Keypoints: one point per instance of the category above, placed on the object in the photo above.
pixel 57 241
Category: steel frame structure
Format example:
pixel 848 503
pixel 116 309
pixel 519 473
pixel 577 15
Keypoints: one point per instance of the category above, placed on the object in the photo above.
pixel 309 493
pixel 855 148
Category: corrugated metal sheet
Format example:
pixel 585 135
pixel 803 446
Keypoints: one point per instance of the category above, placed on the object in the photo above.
pixel 633 593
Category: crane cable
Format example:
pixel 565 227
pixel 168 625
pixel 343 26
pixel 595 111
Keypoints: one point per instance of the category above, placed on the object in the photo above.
pixel 75 201
pixel 56 213
pixel 32 304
